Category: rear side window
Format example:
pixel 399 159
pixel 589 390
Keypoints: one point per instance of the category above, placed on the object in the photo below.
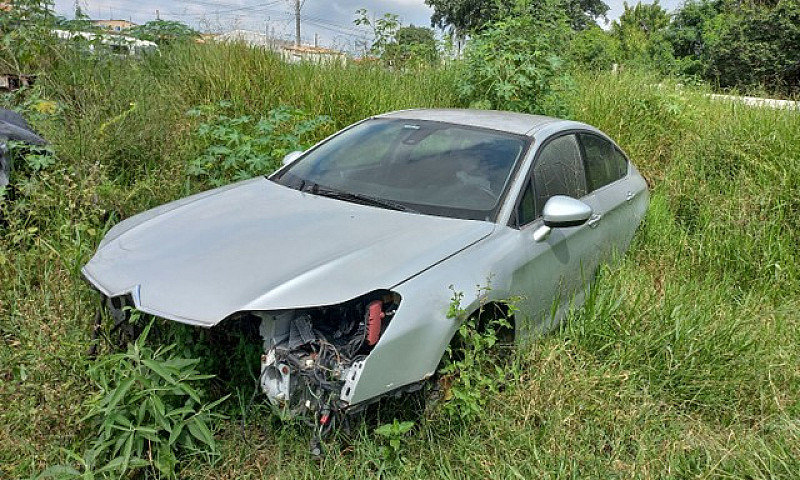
pixel 558 171
pixel 604 163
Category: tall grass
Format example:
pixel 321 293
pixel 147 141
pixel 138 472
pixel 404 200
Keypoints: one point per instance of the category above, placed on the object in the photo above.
pixel 684 362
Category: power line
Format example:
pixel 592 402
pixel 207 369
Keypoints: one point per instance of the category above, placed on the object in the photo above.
pixel 229 6
pixel 336 30
pixel 347 28
pixel 257 7
pixel 209 10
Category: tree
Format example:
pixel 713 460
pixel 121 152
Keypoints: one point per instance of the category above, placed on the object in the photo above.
pixel 641 33
pixel 759 47
pixel 383 30
pixel 585 13
pixel 25 33
pixel 515 63
pixel 464 16
pixel 415 46
pixel 643 17
pixel 163 31
pixel 739 44
pixel 690 26
pixel 595 49
pixel 397 45
pixel 471 16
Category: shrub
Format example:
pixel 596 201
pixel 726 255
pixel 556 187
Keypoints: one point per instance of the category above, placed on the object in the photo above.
pixel 473 369
pixel 513 64
pixel 148 412
pixel 237 148
pixel 594 49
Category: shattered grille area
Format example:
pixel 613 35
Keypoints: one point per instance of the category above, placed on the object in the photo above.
pixel 310 354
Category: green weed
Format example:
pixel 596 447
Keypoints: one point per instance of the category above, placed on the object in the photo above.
pixel 474 369
pixel 237 148
pixel 394 434
pixel 148 413
pixel 682 364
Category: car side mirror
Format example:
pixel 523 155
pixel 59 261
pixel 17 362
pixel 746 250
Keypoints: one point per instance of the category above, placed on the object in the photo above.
pixel 291 157
pixel 562 211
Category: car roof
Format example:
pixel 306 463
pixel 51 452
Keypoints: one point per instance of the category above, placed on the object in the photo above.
pixel 518 123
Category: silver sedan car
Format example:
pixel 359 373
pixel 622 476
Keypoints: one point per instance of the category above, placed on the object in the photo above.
pixel 347 258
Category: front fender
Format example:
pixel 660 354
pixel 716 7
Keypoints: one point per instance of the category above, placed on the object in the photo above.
pixel 413 344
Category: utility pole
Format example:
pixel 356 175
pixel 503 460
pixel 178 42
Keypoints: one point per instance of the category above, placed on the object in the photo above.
pixel 297 22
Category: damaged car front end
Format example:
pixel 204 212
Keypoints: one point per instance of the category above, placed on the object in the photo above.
pixel 314 356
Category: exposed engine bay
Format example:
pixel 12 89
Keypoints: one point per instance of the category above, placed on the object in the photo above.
pixel 312 356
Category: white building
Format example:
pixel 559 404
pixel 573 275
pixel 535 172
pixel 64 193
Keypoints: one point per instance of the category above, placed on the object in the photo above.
pixel 287 50
pixel 116 43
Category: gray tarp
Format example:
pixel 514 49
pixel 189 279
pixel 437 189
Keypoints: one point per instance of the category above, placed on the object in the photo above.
pixel 13 127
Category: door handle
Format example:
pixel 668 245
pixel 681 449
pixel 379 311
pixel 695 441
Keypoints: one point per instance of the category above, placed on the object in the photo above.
pixel 629 196
pixel 594 220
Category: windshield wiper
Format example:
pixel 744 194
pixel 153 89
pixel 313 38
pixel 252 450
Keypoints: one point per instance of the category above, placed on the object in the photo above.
pixel 355 197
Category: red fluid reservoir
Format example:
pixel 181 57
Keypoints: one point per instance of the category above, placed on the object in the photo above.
pixel 374 316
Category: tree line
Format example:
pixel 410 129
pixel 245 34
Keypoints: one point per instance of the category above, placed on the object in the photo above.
pixel 520 48
pixel 744 44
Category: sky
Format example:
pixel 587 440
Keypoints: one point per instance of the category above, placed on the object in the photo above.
pixel 331 21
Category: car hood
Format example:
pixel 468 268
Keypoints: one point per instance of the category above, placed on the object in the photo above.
pixel 257 245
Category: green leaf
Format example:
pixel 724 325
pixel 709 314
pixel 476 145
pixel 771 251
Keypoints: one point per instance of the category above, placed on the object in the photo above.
pixel 200 431
pixel 141 413
pixel 118 421
pixel 176 433
pixel 182 411
pixel 159 415
pixel 116 463
pixel 214 404
pixel 119 393
pixel 165 460
pixel 127 452
pixel 185 388
pixel 149 434
pixel 159 370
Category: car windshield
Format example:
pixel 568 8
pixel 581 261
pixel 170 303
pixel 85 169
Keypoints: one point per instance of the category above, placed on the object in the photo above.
pixel 428 167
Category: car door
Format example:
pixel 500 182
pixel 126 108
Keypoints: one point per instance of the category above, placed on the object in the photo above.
pixel 551 273
pixel 611 191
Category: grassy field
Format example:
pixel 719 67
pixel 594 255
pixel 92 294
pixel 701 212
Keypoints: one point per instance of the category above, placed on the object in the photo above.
pixel 684 363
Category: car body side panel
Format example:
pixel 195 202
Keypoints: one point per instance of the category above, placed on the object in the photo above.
pixel 412 345
pixel 506 264
pixel 620 206
pixel 554 272
pixel 551 276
